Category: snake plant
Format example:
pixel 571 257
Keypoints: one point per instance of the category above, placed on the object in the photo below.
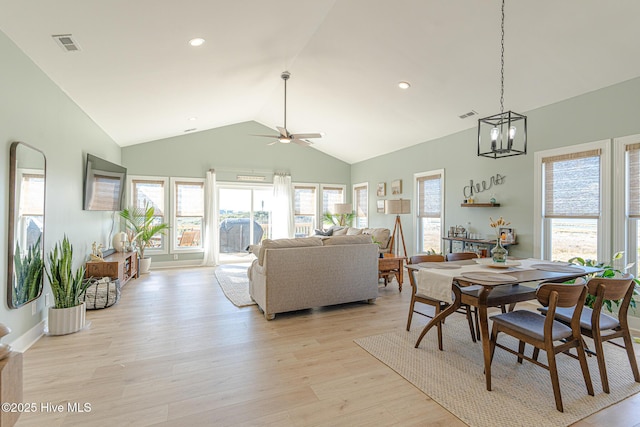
pixel 28 270
pixel 66 286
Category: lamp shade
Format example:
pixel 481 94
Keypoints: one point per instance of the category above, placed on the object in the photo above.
pixel 342 208
pixel 396 207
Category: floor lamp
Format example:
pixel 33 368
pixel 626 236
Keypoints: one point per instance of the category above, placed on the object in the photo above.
pixel 397 207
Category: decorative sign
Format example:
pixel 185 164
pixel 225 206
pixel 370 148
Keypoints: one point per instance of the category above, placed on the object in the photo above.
pixel 479 187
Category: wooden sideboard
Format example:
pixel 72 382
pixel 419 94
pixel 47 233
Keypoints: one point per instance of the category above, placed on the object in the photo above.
pixel 120 265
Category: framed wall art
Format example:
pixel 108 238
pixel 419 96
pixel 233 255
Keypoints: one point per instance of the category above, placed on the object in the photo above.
pixel 380 206
pixel 382 189
pixel 396 186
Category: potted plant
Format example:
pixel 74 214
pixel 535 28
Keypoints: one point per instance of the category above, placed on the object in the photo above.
pixel 29 269
pixel 68 313
pixel 142 223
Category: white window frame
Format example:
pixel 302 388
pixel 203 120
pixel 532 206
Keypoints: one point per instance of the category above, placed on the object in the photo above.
pixel 624 236
pixel 174 248
pixel 317 218
pixel 321 195
pixel 540 232
pixel 416 219
pixel 130 178
pixel 353 197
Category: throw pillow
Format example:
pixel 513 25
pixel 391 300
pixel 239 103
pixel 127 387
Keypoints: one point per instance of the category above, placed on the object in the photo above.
pixel 340 231
pixel 354 231
pixel 320 232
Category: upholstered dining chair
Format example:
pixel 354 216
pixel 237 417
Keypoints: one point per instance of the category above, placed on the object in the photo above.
pixel 543 331
pixel 438 305
pixel 601 327
pixel 459 256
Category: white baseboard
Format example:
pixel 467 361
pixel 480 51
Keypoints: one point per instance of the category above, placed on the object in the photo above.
pixel 177 264
pixel 29 338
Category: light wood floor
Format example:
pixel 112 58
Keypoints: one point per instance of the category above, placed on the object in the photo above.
pixel 174 351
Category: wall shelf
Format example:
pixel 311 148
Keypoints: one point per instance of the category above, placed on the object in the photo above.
pixel 479 205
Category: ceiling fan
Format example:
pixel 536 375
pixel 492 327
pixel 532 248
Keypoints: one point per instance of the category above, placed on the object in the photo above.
pixel 285 137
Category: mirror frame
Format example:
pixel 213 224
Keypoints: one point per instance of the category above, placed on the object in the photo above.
pixel 13 171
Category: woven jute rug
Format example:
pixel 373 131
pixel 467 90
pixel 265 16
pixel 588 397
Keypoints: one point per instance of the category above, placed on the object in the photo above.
pixel 522 394
pixel 234 283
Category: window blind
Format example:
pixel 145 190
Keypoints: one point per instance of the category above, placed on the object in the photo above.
pixel 149 191
pixel 361 201
pixel 331 196
pixel 305 200
pixel 572 185
pixel 633 180
pixel 430 196
pixel 32 195
pixel 189 199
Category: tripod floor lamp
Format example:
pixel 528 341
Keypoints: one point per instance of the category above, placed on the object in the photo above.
pixel 397 207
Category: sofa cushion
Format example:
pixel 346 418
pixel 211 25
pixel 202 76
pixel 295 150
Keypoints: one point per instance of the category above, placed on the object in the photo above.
pixel 347 240
pixel 340 231
pixel 351 231
pixel 286 243
pixel 380 235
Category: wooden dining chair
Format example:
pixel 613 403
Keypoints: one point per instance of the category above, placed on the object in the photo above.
pixel 438 305
pixel 601 327
pixel 460 256
pixel 543 331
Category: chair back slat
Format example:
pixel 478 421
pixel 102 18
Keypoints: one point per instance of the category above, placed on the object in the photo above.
pixel 417 259
pixel 613 288
pixel 568 294
pixel 459 256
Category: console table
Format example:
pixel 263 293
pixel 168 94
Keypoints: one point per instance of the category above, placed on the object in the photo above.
pixel 10 386
pixel 467 243
pixel 390 266
pixel 121 265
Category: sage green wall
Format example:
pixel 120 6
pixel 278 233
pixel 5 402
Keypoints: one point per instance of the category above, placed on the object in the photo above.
pixel 232 150
pixel 607 113
pixel 34 110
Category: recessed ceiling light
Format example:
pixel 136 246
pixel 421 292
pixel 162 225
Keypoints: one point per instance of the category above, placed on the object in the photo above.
pixel 404 85
pixel 196 42
pixel 193 119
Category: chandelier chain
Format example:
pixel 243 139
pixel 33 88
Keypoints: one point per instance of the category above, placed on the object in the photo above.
pixel 502 63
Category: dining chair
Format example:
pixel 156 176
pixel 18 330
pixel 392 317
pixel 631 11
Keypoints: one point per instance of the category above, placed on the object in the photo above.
pixel 601 327
pixel 543 331
pixel 438 305
pixel 459 256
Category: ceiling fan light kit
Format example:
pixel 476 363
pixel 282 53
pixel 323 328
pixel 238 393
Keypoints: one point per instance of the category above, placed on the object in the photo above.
pixel 503 134
pixel 285 137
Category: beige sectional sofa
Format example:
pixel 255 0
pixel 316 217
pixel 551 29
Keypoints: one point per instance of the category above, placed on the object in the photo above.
pixel 295 274
pixel 382 236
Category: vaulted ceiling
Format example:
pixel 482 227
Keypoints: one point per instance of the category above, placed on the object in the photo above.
pixel 138 78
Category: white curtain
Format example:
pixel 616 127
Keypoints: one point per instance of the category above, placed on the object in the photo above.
pixel 282 220
pixel 211 236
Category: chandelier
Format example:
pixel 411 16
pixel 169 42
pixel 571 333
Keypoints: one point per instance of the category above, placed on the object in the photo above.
pixel 503 134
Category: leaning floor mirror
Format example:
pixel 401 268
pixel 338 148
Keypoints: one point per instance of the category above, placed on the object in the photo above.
pixel 26 224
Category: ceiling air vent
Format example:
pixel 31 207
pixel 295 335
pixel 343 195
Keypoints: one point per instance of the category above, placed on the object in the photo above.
pixel 66 42
pixel 469 114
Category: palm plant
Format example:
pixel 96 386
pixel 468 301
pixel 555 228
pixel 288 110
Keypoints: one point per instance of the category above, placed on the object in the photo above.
pixel 66 286
pixel 338 219
pixel 141 223
pixel 28 273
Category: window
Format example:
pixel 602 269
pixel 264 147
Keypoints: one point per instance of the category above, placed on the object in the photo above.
pixel 330 196
pixel 153 191
pixel 305 205
pixel 627 201
pixel 570 202
pixel 361 205
pixel 430 197
pixel 188 214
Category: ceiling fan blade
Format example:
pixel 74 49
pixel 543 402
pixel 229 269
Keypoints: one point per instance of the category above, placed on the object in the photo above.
pixel 273 142
pixel 283 131
pixel 267 136
pixel 301 142
pixel 307 135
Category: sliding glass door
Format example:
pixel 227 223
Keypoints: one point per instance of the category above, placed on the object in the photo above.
pixel 245 218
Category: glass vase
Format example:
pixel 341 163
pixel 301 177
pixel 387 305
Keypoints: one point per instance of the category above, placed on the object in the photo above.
pixel 499 253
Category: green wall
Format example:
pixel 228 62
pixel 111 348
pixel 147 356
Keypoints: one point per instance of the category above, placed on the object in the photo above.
pixel 34 110
pixel 232 150
pixel 607 113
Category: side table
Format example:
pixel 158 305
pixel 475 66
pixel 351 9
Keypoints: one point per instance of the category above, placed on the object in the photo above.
pixel 390 266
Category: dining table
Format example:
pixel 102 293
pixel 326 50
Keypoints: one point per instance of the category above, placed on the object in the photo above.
pixel 487 277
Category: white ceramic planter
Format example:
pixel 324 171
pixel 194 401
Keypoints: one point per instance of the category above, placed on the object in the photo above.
pixel 144 265
pixel 63 321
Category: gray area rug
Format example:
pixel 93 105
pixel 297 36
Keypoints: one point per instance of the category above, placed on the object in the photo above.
pixel 234 283
pixel 521 393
